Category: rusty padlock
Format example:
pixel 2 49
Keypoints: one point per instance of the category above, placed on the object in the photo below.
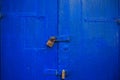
pixel 63 75
pixel 51 41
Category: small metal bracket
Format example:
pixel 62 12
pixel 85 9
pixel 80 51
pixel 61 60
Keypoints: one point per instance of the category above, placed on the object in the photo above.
pixel 61 74
pixel 51 72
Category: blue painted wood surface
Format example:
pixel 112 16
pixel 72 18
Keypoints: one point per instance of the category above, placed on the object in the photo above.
pixel 91 54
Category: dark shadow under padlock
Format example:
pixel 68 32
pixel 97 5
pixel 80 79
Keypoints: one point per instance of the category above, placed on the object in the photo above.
pixel 118 21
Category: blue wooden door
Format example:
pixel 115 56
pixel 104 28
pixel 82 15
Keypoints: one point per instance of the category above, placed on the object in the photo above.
pixel 26 26
pixel 87 46
pixel 92 53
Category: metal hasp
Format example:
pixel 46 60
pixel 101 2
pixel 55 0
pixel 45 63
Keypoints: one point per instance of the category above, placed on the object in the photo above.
pixel 54 39
pixel 62 74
